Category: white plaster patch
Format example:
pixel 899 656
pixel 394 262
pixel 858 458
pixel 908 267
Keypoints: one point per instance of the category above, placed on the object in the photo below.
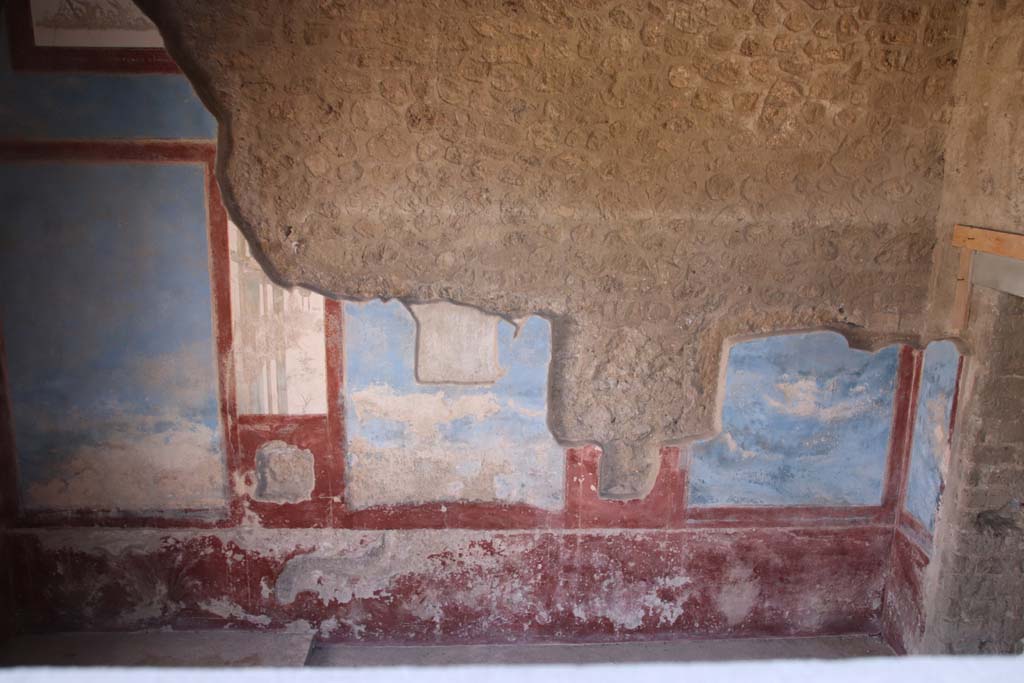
pixel 738 596
pixel 284 473
pixel 455 344
pixel 229 610
pixel 422 413
pixel 939 435
pixel 424 469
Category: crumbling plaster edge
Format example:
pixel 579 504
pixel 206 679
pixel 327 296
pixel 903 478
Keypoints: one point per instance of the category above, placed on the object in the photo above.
pixel 561 326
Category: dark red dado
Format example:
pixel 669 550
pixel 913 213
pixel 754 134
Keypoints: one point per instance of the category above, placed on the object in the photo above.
pixel 903 618
pixel 426 586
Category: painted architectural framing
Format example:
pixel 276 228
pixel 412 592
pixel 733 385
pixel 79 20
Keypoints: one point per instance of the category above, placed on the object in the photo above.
pixel 84 35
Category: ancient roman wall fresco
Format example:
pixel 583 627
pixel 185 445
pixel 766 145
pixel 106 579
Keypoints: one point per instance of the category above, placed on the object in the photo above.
pixel 481 558
pixel 561 583
pixel 654 177
pixel 414 442
pixel 113 379
pixel 278 337
pixel 805 421
pixel 936 396
pixel 932 426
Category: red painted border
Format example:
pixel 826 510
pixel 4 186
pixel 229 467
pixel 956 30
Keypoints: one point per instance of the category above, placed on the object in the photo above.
pixel 904 520
pixel 904 412
pixel 204 153
pixel 27 56
pixel 220 283
pixel 584 508
pixel 334 468
pixel 954 409
pixel 915 531
pixel 461 515
pixel 155 151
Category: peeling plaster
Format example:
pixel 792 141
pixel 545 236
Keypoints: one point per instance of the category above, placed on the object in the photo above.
pixel 450 585
pixel 929 457
pixel 655 178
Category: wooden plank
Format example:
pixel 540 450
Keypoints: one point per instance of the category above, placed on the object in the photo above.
pixel 989 241
pixel 962 297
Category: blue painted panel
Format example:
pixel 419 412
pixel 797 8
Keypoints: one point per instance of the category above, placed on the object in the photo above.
pixel 105 302
pixel 930 449
pixel 413 443
pixel 98 106
pixel 806 420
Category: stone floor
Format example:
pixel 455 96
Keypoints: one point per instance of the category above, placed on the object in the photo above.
pixel 241 648
pixel 833 647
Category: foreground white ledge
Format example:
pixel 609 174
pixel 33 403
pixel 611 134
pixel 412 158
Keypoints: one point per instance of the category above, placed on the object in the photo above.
pixel 989 669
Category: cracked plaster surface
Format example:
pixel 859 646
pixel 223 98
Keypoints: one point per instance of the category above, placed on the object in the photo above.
pixel 654 177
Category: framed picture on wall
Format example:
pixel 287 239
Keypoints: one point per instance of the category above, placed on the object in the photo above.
pixel 84 35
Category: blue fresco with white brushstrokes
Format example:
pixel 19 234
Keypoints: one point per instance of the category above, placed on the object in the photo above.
pixel 106 310
pixel 806 420
pixel 930 449
pixel 411 443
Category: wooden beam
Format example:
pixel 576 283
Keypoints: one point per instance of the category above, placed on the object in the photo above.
pixel 989 241
pixel 962 297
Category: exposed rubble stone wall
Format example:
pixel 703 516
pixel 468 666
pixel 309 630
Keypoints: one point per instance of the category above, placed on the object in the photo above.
pixel 653 177
pixel 975 599
pixel 975 585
